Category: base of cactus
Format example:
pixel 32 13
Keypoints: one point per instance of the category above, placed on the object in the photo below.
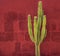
pixel 37 50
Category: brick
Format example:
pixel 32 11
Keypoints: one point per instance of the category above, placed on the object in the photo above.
pixel 21 17
pixel 8 27
pixel 23 25
pixel 27 37
pixel 2 36
pixel 55 36
pixel 9 36
pixel 10 16
pixel 9 19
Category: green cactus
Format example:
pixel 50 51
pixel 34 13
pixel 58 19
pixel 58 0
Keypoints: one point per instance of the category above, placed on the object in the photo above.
pixel 39 28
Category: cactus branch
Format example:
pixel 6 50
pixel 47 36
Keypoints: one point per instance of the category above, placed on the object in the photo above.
pixel 30 28
pixel 43 31
pixel 35 27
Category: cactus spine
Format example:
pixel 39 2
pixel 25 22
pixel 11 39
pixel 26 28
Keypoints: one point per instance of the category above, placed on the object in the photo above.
pixel 39 23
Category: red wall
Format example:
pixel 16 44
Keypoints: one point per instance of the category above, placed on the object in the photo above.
pixel 14 38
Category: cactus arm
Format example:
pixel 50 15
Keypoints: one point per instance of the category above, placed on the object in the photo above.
pixel 44 21
pixel 40 10
pixel 43 34
pixel 35 28
pixel 40 15
pixel 43 31
pixel 30 28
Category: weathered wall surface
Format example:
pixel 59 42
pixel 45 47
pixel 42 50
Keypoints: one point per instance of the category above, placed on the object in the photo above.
pixel 14 38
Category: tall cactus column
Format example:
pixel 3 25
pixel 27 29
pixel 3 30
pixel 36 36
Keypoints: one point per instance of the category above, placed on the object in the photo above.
pixel 39 28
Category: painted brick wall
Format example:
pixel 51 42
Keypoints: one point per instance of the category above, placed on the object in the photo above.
pixel 14 38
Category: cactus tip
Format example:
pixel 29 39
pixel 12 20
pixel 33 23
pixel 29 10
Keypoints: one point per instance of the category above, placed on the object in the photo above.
pixel 29 15
pixel 39 2
pixel 35 16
